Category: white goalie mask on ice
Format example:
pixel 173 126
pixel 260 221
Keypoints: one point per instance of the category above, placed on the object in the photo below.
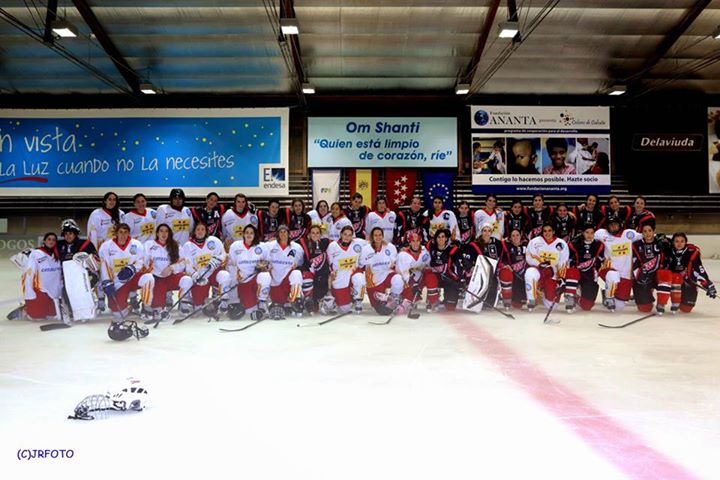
pixel 131 396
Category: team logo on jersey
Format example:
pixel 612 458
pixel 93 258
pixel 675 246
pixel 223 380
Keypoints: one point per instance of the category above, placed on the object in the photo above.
pixel 274 251
pixel 446 216
pixel 387 252
pixel 211 245
pixel 559 246
pixel 253 219
pixel 357 248
pixel 258 250
pixel 42 259
pixel 153 214
pixel 291 253
pixel 629 235
pixel 133 249
pixel 425 257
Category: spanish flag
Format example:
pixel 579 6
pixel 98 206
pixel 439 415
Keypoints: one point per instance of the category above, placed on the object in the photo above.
pixel 364 182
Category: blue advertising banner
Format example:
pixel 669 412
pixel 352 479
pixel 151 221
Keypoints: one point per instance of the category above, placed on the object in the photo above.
pixel 366 142
pixel 88 152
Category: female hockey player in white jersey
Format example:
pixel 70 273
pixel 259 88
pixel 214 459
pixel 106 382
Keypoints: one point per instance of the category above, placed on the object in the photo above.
pixel 383 218
pixel 283 283
pixel 617 269
pixel 378 259
pixel 236 219
pixel 246 259
pixel 338 221
pixel 177 216
pixel 141 219
pixel 344 258
pixel 122 260
pixel 164 271
pixel 412 261
pixel 101 228
pixel 547 261
pixel 321 216
pixel 203 257
pixel 42 280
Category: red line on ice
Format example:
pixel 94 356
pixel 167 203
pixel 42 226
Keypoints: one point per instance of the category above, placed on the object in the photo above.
pixel 623 448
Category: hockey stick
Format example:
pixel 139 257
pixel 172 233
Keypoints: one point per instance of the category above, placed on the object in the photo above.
pixel 243 328
pixel 182 297
pixel 547 320
pixel 630 323
pixel 53 326
pixel 212 301
pixel 392 315
pixel 331 319
pixel 483 301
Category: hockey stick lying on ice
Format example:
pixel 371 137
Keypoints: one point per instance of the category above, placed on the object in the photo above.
pixel 623 325
pixel 483 301
pixel 182 297
pixel 331 319
pixel 212 301
pixel 547 320
pixel 410 314
pixel 245 327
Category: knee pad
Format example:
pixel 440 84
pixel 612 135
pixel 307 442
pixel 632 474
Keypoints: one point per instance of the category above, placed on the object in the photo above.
pixel 396 285
pixel 532 275
pixel 223 278
pixel 358 280
pixel 185 283
pixel 146 279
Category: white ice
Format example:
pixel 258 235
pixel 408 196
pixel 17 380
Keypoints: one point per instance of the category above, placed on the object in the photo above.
pixel 416 399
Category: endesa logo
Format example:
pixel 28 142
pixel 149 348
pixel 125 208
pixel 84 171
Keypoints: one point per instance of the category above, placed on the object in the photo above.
pixel 273 177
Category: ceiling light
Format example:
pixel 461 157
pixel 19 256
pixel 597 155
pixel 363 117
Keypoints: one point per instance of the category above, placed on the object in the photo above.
pixel 308 89
pixel 617 90
pixel 508 29
pixel 148 88
pixel 462 89
pixel 289 26
pixel 63 28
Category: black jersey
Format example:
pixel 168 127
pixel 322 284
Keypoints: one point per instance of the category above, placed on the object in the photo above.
pixel 445 262
pixel 211 218
pixel 466 228
pixel 538 218
pixel 520 222
pixel 648 258
pixel 586 257
pixel 622 215
pixel 587 218
pixel 564 227
pixel 638 220
pixel 299 225
pixel 67 250
pixel 269 225
pixel 513 256
pixel 688 264
pixel 357 218
pixel 315 260
pixel 409 221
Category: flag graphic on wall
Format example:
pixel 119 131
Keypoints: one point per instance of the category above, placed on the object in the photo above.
pixel 400 186
pixel 438 183
pixel 326 186
pixel 364 182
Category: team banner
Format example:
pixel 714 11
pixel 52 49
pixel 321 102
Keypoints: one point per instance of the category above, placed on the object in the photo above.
pixel 326 186
pixel 367 142
pixel 88 152
pixel 518 149
pixel 714 149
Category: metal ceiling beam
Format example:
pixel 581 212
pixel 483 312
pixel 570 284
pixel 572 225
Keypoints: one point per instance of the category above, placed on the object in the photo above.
pixel 127 72
pixel 670 39
pixel 471 70
pixel 287 10
pixel 50 17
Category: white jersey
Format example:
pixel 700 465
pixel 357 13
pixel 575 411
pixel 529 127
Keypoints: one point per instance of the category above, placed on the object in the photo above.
pixel 324 223
pixel 344 261
pixel 495 219
pixel 555 252
pixel 410 264
pixel 282 260
pixel 444 219
pixel 378 264
pixel 243 258
pixel 618 250
pixel 234 223
pixel 386 221
pixel 180 221
pixel 142 227
pixel 42 272
pixel 157 259
pixel 100 227
pixel 336 225
pixel 197 256
pixel 114 257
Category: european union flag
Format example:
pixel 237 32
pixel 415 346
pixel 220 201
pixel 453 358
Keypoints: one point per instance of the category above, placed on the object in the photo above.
pixel 438 183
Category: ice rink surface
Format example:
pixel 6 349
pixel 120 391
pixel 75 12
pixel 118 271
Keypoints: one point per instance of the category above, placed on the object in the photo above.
pixel 442 397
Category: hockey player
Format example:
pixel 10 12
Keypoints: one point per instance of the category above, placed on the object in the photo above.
pixel 316 271
pixel 441 218
pixel 614 210
pixel 164 269
pixel 443 273
pixel 203 257
pixel 466 227
pixel 71 243
pixel 356 212
pixel 377 259
pixel 411 220
pixel 68 246
pixel 491 215
pixel 563 222
pixel 211 214
pixel 586 257
pixel 246 260
pixel 488 245
pixel 122 260
pixel 640 216
pixel 588 213
pixel 347 281
pixel 411 264
pixel 321 216
pixel 540 214
pixel 547 259
pixel 511 270
pixel 269 220
pixel 299 222
pixel 383 218
pixel 518 219
pixel 141 219
pixel 177 216
pixel 617 267
pixel 284 281
pixel 101 228
pixel 236 219
pixel 687 274
pixel 649 260
pixel 42 280
pixel 338 222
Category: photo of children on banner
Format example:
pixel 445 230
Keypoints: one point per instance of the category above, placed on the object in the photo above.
pixel 488 156
pixel 524 156
pixel 556 156
pixel 590 156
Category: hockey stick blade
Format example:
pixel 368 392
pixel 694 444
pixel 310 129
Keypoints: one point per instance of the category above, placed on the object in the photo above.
pixel 53 326
pixel 242 328
pixel 331 319
pixel 623 325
